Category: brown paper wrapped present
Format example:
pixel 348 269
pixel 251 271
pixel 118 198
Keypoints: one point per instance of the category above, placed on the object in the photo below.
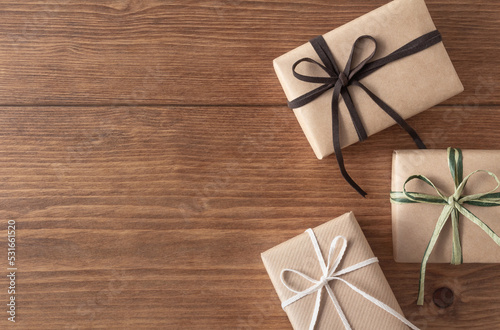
pixel 420 78
pixel 449 211
pixel 299 255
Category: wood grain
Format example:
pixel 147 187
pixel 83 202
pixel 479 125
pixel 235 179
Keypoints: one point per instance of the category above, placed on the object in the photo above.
pixel 148 159
pixel 156 217
pixel 201 52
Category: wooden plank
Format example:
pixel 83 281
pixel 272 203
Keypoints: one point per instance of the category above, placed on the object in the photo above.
pixel 201 52
pixel 156 217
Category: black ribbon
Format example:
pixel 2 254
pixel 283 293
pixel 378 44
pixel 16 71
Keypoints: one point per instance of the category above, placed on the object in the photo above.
pixel 340 80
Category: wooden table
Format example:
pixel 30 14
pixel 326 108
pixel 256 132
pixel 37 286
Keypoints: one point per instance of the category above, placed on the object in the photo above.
pixel 148 158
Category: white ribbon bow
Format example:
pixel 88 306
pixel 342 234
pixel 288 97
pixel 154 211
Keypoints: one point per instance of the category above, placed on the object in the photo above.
pixel 329 274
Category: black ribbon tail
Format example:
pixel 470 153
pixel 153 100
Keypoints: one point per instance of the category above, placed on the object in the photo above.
pixel 347 177
pixel 394 115
pixel 356 120
pixel 336 141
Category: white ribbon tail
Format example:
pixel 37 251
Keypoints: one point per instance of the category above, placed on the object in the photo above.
pixel 380 304
pixel 315 311
pixel 347 326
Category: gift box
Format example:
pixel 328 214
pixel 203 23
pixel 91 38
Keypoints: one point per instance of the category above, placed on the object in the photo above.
pixel 410 85
pixel 444 206
pixel 348 270
pixel 413 223
pixel 409 72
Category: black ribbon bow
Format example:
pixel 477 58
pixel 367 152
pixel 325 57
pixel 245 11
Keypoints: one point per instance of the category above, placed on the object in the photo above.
pixel 340 80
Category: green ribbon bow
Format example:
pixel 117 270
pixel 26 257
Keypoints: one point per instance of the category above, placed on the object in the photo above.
pixel 453 205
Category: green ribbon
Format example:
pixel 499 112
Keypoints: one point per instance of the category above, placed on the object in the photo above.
pixel 453 206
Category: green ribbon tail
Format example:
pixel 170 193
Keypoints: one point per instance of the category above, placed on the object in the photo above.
pixel 456 253
pixel 435 234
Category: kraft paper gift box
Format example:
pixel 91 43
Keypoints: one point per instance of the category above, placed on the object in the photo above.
pixel 366 75
pixel 413 223
pixel 445 207
pixel 409 85
pixel 299 254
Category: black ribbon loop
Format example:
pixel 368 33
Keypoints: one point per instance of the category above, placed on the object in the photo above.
pixel 341 80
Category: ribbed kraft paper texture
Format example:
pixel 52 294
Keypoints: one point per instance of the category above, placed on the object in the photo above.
pixel 409 85
pixel 298 253
pixel 413 224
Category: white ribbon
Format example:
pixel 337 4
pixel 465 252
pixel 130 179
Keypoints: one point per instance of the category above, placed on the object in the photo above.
pixel 329 274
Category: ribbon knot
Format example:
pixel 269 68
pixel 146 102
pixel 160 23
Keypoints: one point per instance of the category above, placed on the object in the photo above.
pixel 329 273
pixel 324 281
pixel 453 207
pixel 452 201
pixel 341 80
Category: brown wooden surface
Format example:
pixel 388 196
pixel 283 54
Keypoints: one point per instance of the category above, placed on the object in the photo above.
pixel 148 158
pixel 199 52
